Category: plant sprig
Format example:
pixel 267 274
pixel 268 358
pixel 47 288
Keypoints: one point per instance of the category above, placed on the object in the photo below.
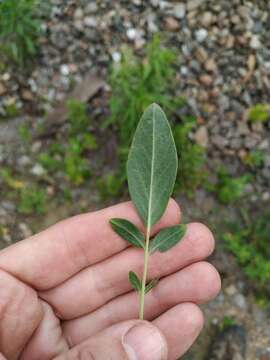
pixel 151 172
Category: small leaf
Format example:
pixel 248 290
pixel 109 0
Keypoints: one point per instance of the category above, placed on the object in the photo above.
pixel 167 238
pixel 152 165
pixel 151 285
pixel 128 231
pixel 135 281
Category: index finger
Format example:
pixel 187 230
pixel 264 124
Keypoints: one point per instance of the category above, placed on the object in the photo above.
pixel 52 256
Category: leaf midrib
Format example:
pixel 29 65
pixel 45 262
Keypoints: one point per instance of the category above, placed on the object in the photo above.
pixel 165 239
pixel 152 175
pixel 129 232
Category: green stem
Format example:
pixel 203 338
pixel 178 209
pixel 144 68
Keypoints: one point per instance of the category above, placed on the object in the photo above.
pixel 146 258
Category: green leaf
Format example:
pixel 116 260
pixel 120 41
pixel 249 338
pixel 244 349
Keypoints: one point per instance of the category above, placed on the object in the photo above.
pixel 152 165
pixel 151 285
pixel 128 231
pixel 167 238
pixel 135 281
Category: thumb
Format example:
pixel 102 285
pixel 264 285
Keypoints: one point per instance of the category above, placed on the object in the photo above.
pixel 132 340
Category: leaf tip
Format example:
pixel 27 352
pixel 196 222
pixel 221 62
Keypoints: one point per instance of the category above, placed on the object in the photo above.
pixel 155 106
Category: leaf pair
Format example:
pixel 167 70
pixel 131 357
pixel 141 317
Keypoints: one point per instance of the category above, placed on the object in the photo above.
pixel 163 241
pixel 137 284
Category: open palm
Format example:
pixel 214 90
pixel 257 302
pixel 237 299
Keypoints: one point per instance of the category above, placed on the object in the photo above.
pixel 65 294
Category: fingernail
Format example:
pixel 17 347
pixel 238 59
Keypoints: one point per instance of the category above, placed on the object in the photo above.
pixel 145 342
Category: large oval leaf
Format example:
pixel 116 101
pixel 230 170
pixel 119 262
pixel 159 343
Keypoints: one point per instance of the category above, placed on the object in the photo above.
pixel 152 165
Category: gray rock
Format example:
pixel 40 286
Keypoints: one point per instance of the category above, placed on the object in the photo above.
pixel 90 21
pixel 116 56
pixel 201 55
pixel 132 33
pixel 38 170
pixel 250 142
pixel 206 19
pixel 56 11
pixel 23 161
pixel 257 127
pixel 151 23
pixel 210 65
pixel 194 4
pixel 240 301
pixel 164 5
pixel 206 79
pixel 255 42
pixel 78 14
pixel 25 230
pixel 243 11
pixel 64 69
pixel 259 314
pixel 36 146
pixel 171 24
pixel 236 143
pixel 219 141
pixel 78 24
pixel 179 11
pixel 242 128
pixel 231 290
pixel 266 173
pixel 266 196
pixel 2 153
pixel 8 205
pixel 195 66
pixel 258 27
pixel 6 76
pixel 201 136
pixel 201 35
pixel 267 160
pixel 60 39
pixel 3 214
pixel 184 70
pixel 155 3
pixel 90 8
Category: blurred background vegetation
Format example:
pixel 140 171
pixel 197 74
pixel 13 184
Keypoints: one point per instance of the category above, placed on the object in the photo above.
pixel 74 80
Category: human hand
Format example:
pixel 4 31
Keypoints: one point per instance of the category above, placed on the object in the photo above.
pixel 65 294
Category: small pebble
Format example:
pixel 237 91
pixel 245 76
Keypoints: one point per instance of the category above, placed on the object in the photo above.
pixel 131 34
pixel 255 42
pixel 116 56
pixel 201 35
pixel 171 24
pixel 64 69
pixel 179 11
pixel 90 21
pixel 38 170
pixel 206 79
